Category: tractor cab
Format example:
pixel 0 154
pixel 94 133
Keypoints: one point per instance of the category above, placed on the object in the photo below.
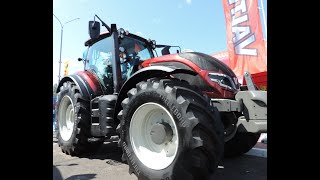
pixel 117 47
pixel 114 56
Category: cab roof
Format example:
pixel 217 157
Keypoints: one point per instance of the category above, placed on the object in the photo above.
pixel 89 42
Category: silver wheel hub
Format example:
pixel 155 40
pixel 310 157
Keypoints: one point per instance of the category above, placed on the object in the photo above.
pixel 161 133
pixel 154 136
pixel 66 118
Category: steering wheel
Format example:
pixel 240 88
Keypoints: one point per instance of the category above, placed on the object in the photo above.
pixel 131 57
pixel 94 68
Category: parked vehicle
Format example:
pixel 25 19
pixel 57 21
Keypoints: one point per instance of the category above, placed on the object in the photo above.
pixel 177 115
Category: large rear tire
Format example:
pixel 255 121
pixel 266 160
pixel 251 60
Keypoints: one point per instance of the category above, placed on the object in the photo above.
pixel 168 131
pixel 73 122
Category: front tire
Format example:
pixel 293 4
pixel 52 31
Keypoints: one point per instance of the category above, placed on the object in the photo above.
pixel 167 131
pixel 73 122
pixel 236 143
pixel 241 143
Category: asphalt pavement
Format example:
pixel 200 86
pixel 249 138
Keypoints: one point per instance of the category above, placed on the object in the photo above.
pixel 106 164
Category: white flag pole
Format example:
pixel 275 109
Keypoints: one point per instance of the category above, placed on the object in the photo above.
pixel 264 23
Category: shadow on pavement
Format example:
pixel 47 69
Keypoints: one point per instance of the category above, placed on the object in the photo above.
pixel 109 150
pixel 68 165
pixel 81 176
pixel 56 173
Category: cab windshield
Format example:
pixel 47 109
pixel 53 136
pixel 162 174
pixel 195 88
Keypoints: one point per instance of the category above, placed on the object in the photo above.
pixel 137 51
pixel 136 47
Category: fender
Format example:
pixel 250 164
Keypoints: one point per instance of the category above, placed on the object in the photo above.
pixel 88 84
pixel 76 79
pixel 144 74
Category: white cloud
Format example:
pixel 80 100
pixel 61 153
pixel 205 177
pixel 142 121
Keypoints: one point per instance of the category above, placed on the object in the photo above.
pixel 188 1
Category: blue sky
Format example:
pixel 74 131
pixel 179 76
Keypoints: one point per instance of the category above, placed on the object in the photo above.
pixel 191 24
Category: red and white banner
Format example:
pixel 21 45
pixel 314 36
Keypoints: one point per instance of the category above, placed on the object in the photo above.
pixel 246 46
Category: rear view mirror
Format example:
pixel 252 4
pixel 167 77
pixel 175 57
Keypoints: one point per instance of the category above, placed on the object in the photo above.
pixel 94 29
pixel 165 50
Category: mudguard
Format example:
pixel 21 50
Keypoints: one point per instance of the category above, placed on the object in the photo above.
pixel 79 82
pixel 87 82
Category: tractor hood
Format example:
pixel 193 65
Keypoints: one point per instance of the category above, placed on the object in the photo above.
pixel 190 59
pixel 207 62
pixel 212 73
pixel 199 62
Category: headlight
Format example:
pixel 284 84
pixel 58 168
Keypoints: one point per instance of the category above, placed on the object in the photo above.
pixel 236 82
pixel 223 80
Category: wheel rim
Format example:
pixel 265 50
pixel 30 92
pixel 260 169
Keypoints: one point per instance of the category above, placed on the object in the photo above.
pixel 230 124
pixel 66 118
pixel 230 131
pixel 144 129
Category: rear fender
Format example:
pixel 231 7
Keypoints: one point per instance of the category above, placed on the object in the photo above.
pixel 79 82
pixel 87 82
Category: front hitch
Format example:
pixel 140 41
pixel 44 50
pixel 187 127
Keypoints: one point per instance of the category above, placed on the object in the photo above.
pixel 251 103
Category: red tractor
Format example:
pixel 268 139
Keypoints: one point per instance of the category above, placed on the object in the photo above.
pixel 177 115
